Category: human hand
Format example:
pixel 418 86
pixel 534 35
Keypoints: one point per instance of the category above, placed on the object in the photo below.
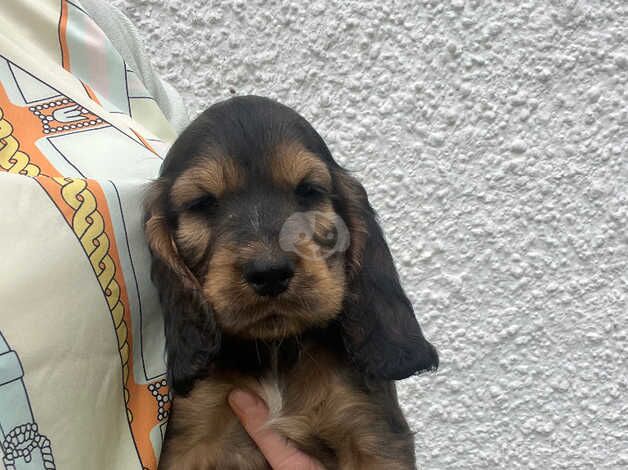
pixel 280 454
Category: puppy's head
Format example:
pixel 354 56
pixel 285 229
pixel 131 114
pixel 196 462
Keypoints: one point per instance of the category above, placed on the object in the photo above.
pixel 256 232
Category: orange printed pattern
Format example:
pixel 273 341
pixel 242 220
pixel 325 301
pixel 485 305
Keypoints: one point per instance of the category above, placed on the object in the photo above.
pixel 46 133
pixel 84 206
pixel 20 130
pixel 63 30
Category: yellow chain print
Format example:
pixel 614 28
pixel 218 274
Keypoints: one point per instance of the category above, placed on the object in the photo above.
pixel 12 159
pixel 89 226
pixel 89 222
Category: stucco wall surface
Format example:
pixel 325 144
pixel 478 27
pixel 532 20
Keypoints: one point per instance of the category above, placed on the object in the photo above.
pixel 492 137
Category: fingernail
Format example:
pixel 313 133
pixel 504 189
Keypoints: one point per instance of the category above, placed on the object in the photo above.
pixel 242 400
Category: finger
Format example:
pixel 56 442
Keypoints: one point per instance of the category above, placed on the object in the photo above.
pixel 281 455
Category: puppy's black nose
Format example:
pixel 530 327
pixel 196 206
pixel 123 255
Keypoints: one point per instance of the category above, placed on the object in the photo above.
pixel 269 277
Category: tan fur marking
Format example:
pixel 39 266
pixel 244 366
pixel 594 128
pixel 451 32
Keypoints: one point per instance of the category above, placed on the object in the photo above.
pixel 207 435
pixel 292 163
pixel 159 237
pixel 314 296
pixel 317 403
pixel 355 197
pixel 212 176
pixel 192 237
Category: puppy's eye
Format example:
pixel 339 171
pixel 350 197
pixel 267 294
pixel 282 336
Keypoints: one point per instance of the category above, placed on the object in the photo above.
pixel 202 204
pixel 309 191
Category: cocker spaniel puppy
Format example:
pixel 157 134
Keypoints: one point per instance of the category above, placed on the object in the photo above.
pixel 274 276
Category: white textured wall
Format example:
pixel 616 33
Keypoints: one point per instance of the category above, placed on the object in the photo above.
pixel 492 136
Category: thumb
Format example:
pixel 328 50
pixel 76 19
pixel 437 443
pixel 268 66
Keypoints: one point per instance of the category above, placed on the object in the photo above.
pixel 280 454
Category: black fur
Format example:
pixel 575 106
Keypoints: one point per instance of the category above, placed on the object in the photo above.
pixel 192 338
pixel 379 329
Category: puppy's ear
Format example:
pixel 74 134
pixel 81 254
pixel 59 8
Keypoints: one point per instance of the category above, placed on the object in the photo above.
pixel 380 329
pixel 192 337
